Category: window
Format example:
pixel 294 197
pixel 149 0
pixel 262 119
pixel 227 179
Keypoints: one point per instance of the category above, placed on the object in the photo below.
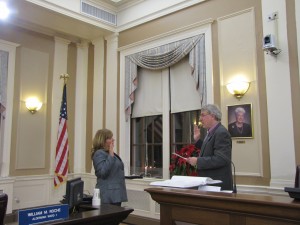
pixel 182 128
pixel 159 94
pixel 146 138
pixel 146 149
pixel 171 108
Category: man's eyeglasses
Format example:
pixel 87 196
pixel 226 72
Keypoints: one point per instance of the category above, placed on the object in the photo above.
pixel 202 115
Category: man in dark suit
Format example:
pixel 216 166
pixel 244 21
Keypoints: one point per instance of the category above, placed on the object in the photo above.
pixel 215 157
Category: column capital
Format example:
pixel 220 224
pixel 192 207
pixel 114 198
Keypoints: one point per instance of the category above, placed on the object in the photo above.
pixel 97 41
pixel 62 40
pixel 112 37
pixel 82 44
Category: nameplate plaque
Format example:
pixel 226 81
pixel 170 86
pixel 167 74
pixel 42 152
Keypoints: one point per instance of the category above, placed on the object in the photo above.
pixel 43 214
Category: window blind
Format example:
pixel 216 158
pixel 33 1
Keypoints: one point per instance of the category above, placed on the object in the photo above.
pixel 184 95
pixel 148 95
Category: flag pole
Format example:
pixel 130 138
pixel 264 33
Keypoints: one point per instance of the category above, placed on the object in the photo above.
pixel 62 147
pixel 64 76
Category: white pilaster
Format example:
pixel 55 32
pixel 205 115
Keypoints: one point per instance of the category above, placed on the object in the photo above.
pixel 5 132
pixel 59 67
pixel 297 6
pixel 281 133
pixel 112 83
pixel 98 84
pixel 80 108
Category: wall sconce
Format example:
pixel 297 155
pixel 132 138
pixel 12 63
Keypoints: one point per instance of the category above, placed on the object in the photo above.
pixel 33 104
pixel 238 88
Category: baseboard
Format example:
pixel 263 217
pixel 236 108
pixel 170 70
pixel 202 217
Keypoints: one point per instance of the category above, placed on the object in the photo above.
pixel 138 220
pixel 11 217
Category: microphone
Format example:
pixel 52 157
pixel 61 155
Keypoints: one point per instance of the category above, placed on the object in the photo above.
pixel 234 189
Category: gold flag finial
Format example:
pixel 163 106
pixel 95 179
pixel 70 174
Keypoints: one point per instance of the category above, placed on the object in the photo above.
pixel 64 76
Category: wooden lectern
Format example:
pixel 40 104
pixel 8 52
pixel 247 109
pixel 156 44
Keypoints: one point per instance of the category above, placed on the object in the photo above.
pixel 219 208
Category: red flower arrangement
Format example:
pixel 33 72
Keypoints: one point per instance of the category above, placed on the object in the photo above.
pixel 179 166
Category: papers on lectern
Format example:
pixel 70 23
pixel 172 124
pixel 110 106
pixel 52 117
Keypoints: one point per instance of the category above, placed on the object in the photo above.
pixel 209 188
pixel 185 182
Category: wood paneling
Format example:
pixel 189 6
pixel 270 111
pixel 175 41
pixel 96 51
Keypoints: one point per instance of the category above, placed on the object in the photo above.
pixel 220 208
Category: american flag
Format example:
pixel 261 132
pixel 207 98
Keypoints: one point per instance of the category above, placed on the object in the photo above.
pixel 62 147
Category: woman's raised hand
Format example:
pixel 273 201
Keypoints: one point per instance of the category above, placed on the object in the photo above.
pixel 111 148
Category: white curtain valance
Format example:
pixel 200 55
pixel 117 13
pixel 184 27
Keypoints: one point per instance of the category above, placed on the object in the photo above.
pixel 165 56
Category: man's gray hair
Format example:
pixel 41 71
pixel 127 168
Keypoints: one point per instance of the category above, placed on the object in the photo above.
pixel 213 110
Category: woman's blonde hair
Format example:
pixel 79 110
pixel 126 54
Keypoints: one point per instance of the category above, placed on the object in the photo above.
pixel 99 140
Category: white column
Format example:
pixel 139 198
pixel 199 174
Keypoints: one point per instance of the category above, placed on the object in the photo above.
pixel 112 84
pixel 297 4
pixel 6 131
pixel 98 84
pixel 80 108
pixel 279 101
pixel 59 67
pixel 98 89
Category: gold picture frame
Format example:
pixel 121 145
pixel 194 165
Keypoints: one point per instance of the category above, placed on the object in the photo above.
pixel 239 120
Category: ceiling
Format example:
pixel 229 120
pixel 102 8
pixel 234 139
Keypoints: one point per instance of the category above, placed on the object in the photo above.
pixel 46 17
pixel 42 20
pixel 115 2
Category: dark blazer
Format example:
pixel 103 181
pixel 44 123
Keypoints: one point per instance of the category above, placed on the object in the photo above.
pixel 215 157
pixel 198 144
pixel 110 177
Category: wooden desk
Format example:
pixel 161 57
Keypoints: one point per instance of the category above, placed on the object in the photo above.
pixel 104 215
pixel 207 208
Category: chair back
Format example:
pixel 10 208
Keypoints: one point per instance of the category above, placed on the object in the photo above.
pixel 3 206
pixel 297 177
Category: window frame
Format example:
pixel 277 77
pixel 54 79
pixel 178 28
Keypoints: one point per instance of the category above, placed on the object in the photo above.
pixel 203 27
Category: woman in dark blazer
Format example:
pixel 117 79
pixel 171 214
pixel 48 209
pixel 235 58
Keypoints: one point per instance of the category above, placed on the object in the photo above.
pixel 215 156
pixel 109 169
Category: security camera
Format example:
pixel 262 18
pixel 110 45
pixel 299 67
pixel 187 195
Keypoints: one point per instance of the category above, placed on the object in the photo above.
pixel 269 42
pixel 269 45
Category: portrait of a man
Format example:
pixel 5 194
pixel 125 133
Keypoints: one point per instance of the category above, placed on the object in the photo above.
pixel 239 121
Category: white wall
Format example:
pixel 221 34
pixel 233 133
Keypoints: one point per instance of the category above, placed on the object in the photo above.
pixel 241 65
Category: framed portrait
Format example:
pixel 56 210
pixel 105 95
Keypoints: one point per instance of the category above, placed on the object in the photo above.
pixel 240 121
